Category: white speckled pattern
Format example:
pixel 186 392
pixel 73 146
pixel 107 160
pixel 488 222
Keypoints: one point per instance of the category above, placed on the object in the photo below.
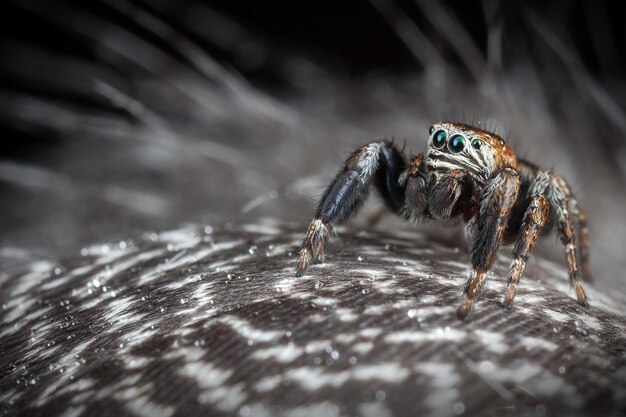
pixel 189 323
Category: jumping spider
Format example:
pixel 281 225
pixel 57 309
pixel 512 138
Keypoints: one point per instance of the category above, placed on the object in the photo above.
pixel 470 173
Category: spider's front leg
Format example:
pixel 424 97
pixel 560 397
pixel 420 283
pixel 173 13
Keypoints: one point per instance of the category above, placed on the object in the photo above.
pixel 378 161
pixel 534 219
pixel 495 207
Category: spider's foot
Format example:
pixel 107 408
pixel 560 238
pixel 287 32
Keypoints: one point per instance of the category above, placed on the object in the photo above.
pixel 465 309
pixel 581 297
pixel 312 250
pixel 304 258
pixel 510 294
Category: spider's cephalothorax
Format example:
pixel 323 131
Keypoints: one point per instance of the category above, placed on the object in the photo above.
pixel 468 173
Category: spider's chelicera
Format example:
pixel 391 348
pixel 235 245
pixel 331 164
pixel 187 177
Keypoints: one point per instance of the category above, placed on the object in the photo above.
pixel 468 173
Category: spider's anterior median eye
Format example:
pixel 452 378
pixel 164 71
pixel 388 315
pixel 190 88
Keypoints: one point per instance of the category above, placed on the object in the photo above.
pixel 439 139
pixel 476 144
pixel 456 144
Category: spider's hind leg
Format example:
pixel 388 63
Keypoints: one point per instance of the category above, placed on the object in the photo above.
pixel 580 222
pixel 559 196
pixel 378 161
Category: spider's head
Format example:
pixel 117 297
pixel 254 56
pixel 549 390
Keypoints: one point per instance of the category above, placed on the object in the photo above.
pixel 455 145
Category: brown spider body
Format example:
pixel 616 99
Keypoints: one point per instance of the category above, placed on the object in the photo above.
pixel 468 173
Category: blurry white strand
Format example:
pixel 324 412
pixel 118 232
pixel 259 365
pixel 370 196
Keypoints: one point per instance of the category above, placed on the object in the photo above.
pixel 36 178
pixel 458 38
pixel 257 201
pixel 247 97
pixel 139 52
pixel 163 134
pixel 583 81
pixel 408 31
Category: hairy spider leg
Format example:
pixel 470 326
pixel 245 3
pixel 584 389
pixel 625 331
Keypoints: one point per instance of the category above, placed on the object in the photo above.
pixel 495 207
pixel 559 196
pixel 380 162
pixel 534 219
pixel 580 222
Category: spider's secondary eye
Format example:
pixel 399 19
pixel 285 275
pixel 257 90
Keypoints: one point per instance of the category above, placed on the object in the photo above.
pixel 456 144
pixel 476 144
pixel 439 139
pixel 431 130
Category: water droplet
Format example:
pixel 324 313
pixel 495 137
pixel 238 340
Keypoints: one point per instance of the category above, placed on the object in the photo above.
pixel 4 306
pixel 456 250
pixel 252 249
pixel 459 408
pixel 319 285
pixel 360 258
pixel 163 309
pixel 380 395
pixel 84 252
pixel 388 246
pixel 95 282
pixel 288 334
pixel 230 276
pixel 184 300
pixel 562 370
pixel 317 361
pixel 248 279
pixel 250 342
pixel 208 230
pixel 334 354
pixel 353 360
pixel 365 290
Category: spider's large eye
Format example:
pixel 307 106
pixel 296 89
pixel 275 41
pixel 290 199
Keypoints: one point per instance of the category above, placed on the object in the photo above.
pixel 439 139
pixel 456 144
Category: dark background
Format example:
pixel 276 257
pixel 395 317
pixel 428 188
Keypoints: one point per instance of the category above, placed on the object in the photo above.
pixel 124 117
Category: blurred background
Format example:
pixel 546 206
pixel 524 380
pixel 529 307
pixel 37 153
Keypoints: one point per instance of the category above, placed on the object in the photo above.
pixel 120 117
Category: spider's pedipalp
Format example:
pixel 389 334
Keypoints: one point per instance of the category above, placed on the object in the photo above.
pixel 444 195
pixel 534 220
pixel 378 160
pixel 495 207
pixel 414 181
